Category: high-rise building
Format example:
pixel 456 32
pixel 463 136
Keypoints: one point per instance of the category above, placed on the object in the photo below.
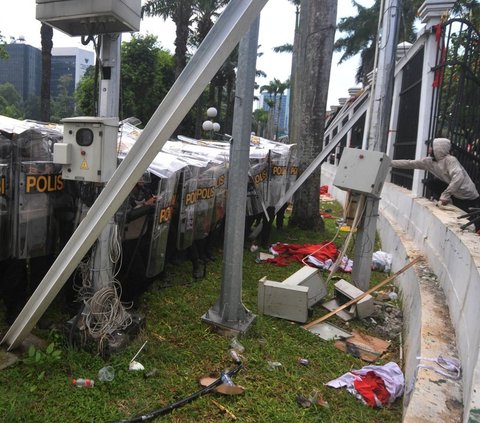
pixel 22 68
pixel 72 62
pixel 282 110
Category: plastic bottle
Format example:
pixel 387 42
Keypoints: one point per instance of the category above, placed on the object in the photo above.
pixel 234 344
pixel 83 383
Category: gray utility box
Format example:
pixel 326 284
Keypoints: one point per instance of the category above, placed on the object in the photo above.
pixel 90 17
pixel 362 171
pixel 89 148
pixel 345 291
pixel 291 298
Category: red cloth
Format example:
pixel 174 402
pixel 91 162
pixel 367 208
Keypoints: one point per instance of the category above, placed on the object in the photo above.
pixel 324 189
pixel 326 215
pixel 288 253
pixel 372 389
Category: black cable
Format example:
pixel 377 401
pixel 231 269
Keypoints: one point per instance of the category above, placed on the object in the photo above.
pixel 167 409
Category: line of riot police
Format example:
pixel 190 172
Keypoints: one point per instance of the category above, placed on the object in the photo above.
pixel 176 209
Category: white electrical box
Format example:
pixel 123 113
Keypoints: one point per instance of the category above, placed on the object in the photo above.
pixel 89 148
pixel 362 171
pixel 292 298
pixel 90 17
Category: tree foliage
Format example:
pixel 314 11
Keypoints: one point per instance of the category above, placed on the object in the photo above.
pixel 3 50
pixel 63 105
pixel 361 33
pixel 146 72
pixel 10 101
pixel 85 94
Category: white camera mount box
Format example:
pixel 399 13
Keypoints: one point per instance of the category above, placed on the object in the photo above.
pixel 90 17
pixel 89 149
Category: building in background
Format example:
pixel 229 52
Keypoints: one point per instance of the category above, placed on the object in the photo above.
pixel 281 114
pixel 22 68
pixel 72 62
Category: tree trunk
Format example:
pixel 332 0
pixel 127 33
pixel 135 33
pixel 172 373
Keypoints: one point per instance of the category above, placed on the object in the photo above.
pixel 182 17
pixel 295 74
pixel 46 33
pixel 317 32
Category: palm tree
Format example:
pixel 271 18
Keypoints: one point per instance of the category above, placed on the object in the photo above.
pixel 181 12
pixel 315 48
pixel 361 33
pixel 205 12
pixel 282 86
pixel 272 90
pixel 46 33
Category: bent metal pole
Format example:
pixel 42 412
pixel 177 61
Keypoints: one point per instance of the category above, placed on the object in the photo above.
pixel 234 22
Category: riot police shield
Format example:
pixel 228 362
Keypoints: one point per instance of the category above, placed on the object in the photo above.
pixel 166 195
pixel 188 198
pixel 37 183
pixel 292 172
pixel 204 204
pixel 6 203
pixel 38 179
pixel 220 204
pixel 277 175
pixel 256 188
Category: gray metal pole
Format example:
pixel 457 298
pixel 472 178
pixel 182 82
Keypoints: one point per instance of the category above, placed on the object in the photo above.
pixel 229 312
pixel 384 78
pixel 108 106
pixel 235 20
pixel 364 245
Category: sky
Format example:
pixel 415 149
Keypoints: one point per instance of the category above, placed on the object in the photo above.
pixel 277 23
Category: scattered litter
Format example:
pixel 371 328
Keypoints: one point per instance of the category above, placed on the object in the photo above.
pixel 382 261
pixel 328 332
pixel 448 367
pixel 225 410
pixel 138 352
pixel 375 386
pixel 263 257
pixel 83 383
pixel 363 346
pixel 237 346
pixel 135 366
pixel 106 374
pixel 151 373
pixel 235 357
pixel 262 342
pixel 393 296
pixel 253 248
pixel 274 365
pixel 223 388
pixel 304 361
pixel 304 402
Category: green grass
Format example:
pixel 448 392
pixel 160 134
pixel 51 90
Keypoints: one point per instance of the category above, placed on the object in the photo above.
pixel 183 349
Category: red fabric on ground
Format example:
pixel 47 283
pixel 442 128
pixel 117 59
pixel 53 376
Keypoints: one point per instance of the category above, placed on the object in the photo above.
pixel 326 215
pixel 287 253
pixel 372 389
pixel 324 189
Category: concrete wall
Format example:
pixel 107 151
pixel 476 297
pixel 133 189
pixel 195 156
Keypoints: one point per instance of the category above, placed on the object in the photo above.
pixel 409 225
